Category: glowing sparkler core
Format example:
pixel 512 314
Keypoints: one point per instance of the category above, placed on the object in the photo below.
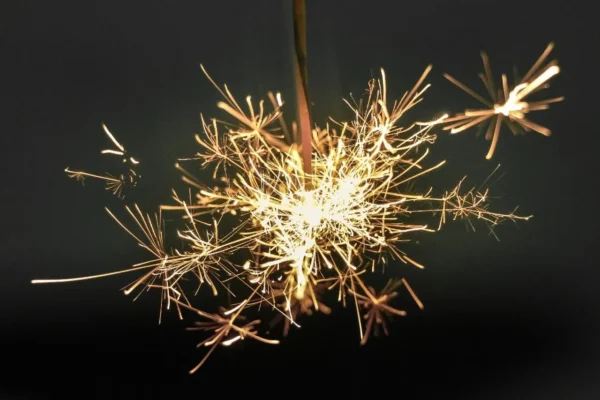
pixel 513 107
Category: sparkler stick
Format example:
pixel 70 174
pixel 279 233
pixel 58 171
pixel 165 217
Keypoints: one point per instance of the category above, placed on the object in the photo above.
pixel 304 121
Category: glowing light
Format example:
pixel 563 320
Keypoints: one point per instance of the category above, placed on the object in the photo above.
pixel 303 232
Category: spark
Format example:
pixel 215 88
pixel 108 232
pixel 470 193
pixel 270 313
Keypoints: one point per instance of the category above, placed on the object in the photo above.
pixel 120 149
pixel 115 185
pixel 508 105
pixel 295 306
pixel 225 330
pixel 205 260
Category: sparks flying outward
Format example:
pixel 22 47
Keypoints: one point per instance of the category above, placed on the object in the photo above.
pixel 299 235
pixel 114 184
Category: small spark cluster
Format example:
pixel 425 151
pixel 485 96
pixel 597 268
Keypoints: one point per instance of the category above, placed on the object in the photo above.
pixel 116 184
pixel 507 104
pixel 301 238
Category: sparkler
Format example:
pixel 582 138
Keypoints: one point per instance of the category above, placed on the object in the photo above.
pixel 378 311
pixel 508 105
pixel 311 214
pixel 298 239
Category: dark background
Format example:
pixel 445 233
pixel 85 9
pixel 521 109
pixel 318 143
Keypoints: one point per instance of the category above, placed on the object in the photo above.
pixel 511 319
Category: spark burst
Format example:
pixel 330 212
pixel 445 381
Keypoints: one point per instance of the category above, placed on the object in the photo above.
pixel 507 105
pixel 378 310
pixel 117 185
pixel 226 331
pixel 353 206
pixel 302 232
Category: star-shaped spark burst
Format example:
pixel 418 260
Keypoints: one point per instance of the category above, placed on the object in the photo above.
pixel 117 185
pixel 508 104
pixel 293 305
pixel 377 307
pixel 225 328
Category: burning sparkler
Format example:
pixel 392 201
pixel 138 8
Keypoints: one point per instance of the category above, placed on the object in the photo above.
pixel 356 209
pixel 311 213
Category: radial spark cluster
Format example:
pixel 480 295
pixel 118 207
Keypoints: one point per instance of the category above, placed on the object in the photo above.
pixel 302 238
pixel 507 104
